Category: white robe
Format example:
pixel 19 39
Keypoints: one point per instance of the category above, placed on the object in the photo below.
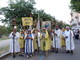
pixel 53 42
pixel 38 39
pixel 57 38
pixel 69 40
pixel 16 43
pixel 29 44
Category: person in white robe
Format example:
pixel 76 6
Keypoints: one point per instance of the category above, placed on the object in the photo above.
pixel 39 38
pixel 52 42
pixel 69 40
pixel 57 39
pixel 14 43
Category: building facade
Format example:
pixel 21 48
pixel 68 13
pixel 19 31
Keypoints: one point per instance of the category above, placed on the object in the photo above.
pixel 75 20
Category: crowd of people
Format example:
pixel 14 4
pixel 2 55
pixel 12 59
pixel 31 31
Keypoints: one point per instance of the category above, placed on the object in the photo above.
pixel 33 41
pixel 76 33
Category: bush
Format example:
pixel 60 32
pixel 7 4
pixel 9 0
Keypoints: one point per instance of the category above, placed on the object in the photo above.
pixel 3 30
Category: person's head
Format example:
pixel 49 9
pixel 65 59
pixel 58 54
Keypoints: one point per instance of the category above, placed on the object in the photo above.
pixel 57 27
pixel 29 31
pixel 34 31
pixel 63 29
pixel 67 28
pixel 52 30
pixel 44 30
pixel 15 29
pixel 38 30
pixel 22 31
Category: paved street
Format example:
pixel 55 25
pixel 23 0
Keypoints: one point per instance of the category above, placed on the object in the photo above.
pixel 4 43
pixel 53 56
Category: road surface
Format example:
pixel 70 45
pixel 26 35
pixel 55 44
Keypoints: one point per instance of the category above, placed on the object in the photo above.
pixel 53 56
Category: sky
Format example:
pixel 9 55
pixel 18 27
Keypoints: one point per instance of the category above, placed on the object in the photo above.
pixel 57 8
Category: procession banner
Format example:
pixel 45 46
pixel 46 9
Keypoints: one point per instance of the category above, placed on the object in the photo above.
pixel 27 21
pixel 46 24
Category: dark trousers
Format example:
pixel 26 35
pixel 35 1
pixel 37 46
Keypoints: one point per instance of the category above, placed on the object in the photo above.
pixel 76 36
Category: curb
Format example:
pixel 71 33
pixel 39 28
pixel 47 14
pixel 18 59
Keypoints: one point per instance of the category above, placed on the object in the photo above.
pixel 4 55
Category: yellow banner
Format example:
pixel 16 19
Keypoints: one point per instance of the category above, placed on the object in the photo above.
pixel 27 21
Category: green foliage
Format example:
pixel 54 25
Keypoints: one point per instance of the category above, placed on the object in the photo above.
pixel 9 29
pixel 17 10
pixel 23 8
pixel 61 24
pixel 3 30
pixel 75 5
pixel 44 15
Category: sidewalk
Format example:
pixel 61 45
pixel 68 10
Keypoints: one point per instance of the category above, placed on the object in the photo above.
pixel 4 43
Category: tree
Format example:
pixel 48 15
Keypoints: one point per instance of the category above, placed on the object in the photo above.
pixel 22 8
pixel 61 24
pixel 75 5
pixel 3 30
pixel 17 10
pixel 44 15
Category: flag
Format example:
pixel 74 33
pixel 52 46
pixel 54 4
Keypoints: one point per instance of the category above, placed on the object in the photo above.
pixel 38 25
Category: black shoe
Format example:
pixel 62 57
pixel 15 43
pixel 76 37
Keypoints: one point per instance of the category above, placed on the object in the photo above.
pixel 72 52
pixel 52 51
pixel 56 51
pixel 14 56
pixel 67 51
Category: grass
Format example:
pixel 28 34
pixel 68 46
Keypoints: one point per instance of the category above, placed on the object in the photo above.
pixel 4 50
